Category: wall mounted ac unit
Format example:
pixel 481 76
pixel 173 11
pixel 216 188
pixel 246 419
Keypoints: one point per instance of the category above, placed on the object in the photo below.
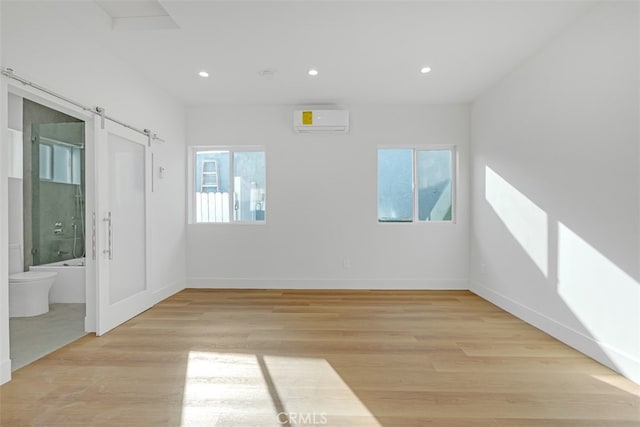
pixel 321 121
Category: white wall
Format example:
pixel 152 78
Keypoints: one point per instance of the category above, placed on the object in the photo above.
pixel 42 42
pixel 322 204
pixel 555 193
pixel 14 118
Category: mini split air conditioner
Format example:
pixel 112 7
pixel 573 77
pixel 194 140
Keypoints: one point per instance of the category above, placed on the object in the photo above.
pixel 321 121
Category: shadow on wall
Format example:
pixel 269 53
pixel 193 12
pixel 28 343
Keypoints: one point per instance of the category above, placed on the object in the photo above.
pixel 594 296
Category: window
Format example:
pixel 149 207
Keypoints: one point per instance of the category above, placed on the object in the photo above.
pixel 416 183
pixel 229 184
pixel 46 162
pixel 60 162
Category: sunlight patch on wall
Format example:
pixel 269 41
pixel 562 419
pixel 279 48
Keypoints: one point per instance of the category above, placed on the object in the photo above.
pixel 247 389
pixel 526 221
pixel 599 293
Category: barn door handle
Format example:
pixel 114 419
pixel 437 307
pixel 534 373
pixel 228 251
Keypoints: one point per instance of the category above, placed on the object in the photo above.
pixel 93 236
pixel 110 236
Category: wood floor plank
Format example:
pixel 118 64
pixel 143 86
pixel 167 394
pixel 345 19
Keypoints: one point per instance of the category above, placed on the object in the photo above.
pixel 337 358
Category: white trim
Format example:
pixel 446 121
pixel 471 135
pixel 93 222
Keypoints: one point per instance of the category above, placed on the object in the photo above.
pixel 611 357
pixel 220 223
pixel 232 189
pixel 165 292
pixel 5 364
pixel 89 325
pixel 191 185
pixel 455 161
pixel 309 283
pixel 90 206
pixel 217 148
pixel 416 146
pixel 5 371
pixel 415 212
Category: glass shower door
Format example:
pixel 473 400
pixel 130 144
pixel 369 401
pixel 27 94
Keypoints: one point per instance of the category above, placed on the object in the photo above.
pixel 57 192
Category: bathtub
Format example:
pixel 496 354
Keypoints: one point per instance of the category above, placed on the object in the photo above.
pixel 69 286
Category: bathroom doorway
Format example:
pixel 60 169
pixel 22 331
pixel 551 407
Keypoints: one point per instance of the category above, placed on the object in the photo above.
pixel 48 222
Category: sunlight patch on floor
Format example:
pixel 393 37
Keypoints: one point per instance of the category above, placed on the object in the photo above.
pixel 620 383
pixel 312 386
pixel 245 389
pixel 219 384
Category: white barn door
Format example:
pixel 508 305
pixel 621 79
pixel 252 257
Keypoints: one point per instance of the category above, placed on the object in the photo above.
pixel 123 167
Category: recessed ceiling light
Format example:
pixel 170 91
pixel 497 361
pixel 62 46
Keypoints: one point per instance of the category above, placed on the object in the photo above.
pixel 203 74
pixel 425 70
pixel 312 72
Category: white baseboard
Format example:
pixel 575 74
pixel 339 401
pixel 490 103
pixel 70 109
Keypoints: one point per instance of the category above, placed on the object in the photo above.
pixel 611 357
pixel 394 284
pixel 5 371
pixel 164 293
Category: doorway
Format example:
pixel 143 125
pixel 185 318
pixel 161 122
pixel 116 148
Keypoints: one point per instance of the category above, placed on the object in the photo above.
pixel 108 222
pixel 47 189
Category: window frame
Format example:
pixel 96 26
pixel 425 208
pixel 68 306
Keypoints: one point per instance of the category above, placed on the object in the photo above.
pixel 192 167
pixel 414 186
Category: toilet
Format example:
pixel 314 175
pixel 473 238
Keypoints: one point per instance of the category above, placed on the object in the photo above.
pixel 28 290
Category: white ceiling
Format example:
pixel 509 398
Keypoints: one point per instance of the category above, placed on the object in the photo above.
pixel 365 51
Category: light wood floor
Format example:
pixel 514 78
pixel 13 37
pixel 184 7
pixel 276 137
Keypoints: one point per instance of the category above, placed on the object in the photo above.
pixel 336 358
